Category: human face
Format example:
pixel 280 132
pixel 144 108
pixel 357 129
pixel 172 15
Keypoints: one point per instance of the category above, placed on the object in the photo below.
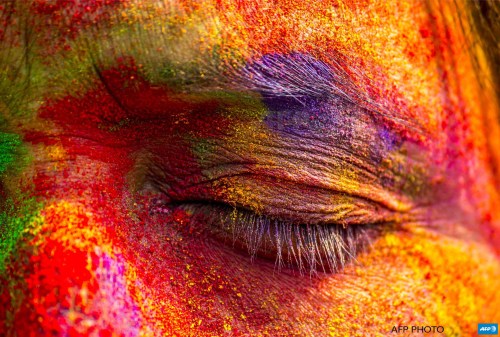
pixel 245 168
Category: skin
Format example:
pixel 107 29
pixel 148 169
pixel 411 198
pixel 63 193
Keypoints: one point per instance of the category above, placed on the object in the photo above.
pixel 124 108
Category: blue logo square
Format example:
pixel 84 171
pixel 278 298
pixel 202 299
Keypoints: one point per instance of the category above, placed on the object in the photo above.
pixel 487 329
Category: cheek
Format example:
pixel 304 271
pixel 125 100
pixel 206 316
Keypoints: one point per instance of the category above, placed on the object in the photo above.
pixel 424 278
pixel 144 277
pixel 147 275
pixel 76 280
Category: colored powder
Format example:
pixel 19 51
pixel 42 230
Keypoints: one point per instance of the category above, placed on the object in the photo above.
pixel 9 144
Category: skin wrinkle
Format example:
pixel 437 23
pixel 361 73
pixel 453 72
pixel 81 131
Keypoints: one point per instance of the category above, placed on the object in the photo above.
pixel 247 171
pixel 320 207
pixel 294 170
pixel 95 258
pixel 287 153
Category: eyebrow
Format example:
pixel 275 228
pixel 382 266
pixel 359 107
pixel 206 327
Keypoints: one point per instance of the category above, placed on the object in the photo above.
pixel 295 74
pixel 302 76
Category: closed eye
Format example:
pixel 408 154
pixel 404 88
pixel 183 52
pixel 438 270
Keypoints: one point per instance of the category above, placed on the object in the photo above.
pixel 305 186
pixel 290 245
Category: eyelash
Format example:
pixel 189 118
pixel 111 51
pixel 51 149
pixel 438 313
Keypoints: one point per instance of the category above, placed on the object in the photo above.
pixel 304 248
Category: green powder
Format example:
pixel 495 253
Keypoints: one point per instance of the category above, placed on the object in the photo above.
pixel 9 144
pixel 16 210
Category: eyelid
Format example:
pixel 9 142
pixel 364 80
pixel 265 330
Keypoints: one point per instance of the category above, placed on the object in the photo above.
pixel 316 162
pixel 300 164
pixel 278 189
pixel 285 199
